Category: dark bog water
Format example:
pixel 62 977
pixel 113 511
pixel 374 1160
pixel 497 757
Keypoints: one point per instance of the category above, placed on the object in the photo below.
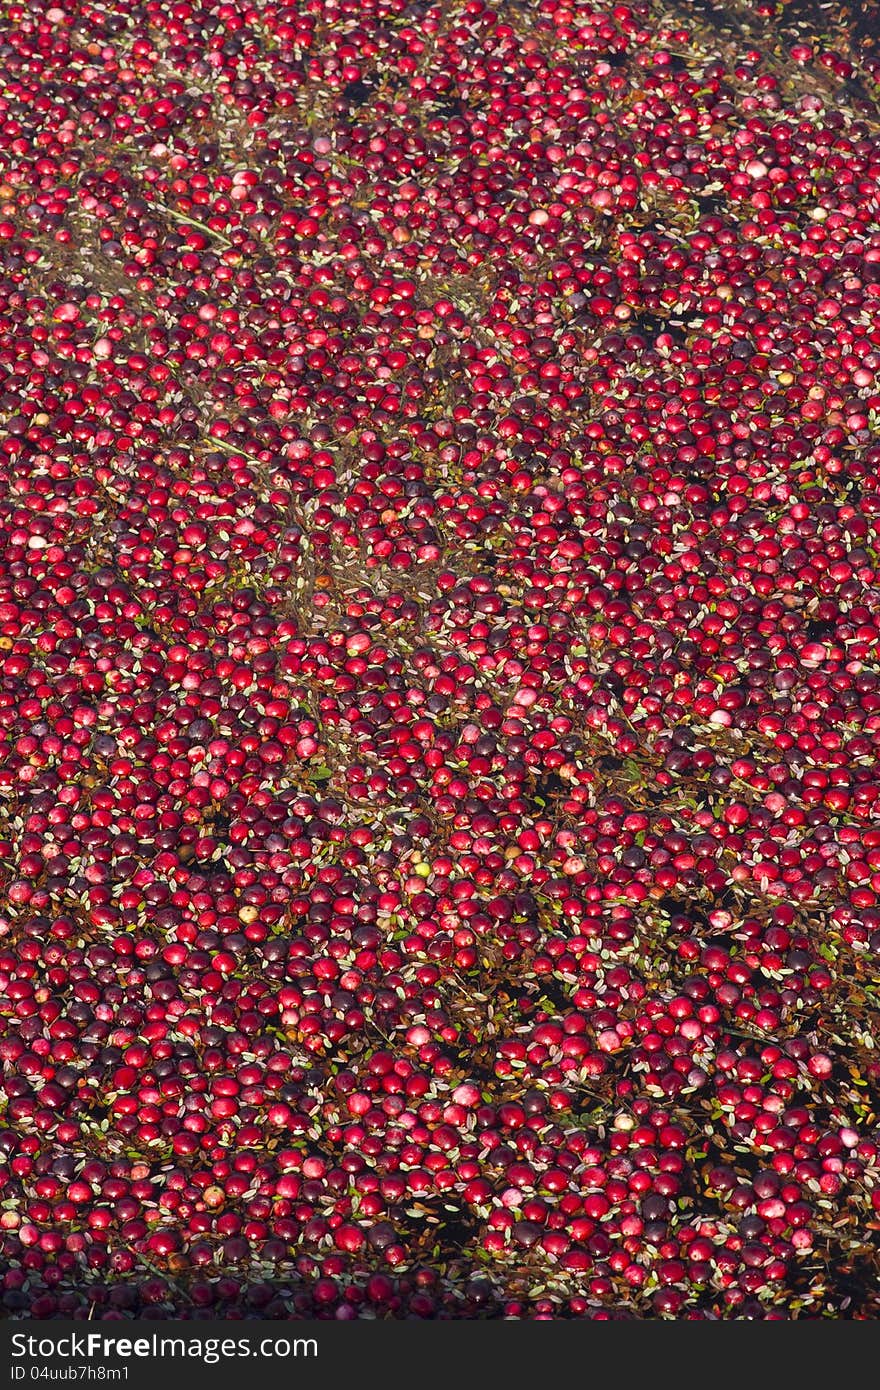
pixel 852 21
pixel 851 26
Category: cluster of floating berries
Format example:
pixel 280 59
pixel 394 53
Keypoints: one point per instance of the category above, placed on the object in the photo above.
pixel 439 683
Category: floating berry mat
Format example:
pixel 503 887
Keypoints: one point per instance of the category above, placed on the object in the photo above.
pixel 439 633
